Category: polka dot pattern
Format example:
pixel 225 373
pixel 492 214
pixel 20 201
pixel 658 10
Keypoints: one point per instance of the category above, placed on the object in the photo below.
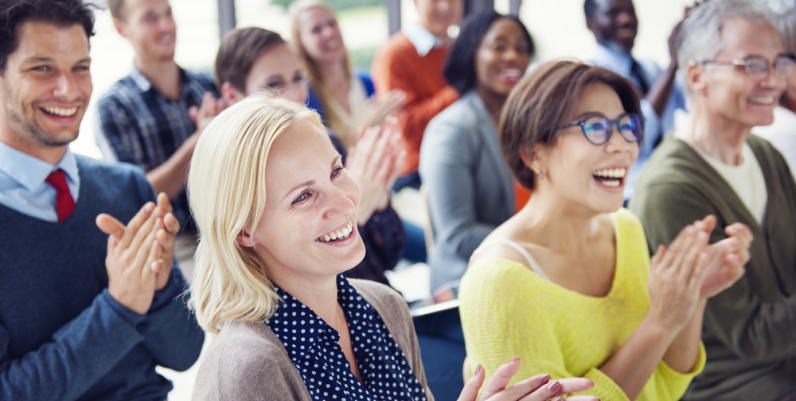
pixel 313 347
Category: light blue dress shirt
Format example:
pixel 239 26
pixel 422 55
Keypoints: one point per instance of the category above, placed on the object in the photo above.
pixel 421 38
pixel 654 127
pixel 22 185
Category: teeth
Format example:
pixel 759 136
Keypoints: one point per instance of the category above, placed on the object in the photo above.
pixel 58 111
pixel 511 73
pixel 611 172
pixel 762 100
pixel 342 233
pixel 610 183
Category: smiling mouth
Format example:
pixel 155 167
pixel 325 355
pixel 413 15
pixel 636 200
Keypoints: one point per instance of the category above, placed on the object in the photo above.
pixel 337 235
pixel 610 177
pixel 764 100
pixel 511 74
pixel 59 111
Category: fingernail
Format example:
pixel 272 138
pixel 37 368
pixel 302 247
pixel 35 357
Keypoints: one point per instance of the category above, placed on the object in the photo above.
pixel 554 387
pixel 478 370
pixel 149 207
pixel 557 399
pixel 515 359
pixel 544 379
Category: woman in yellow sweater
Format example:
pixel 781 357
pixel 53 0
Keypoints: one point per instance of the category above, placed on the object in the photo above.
pixel 567 284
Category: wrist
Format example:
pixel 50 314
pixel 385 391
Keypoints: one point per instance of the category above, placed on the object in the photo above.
pixel 658 330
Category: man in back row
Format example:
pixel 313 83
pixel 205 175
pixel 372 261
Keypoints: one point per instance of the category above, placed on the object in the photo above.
pixel 735 71
pixel 82 315
pixel 153 117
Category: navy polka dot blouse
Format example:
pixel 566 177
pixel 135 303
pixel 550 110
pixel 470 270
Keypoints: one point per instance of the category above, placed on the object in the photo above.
pixel 313 347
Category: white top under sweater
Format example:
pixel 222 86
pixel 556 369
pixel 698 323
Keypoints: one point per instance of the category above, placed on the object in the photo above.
pixel 746 179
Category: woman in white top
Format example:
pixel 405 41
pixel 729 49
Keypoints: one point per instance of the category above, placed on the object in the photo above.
pixel 782 133
pixel 341 95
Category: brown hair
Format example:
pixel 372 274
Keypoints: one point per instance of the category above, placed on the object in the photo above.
pixel 238 52
pixel 546 99
pixel 116 7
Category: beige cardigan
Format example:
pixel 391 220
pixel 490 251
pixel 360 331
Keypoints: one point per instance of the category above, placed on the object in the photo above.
pixel 248 362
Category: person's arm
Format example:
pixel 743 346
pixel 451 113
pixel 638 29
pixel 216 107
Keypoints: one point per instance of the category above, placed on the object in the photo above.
pixel 391 72
pixel 384 237
pixel 446 165
pixel 658 95
pixel 753 328
pixel 79 354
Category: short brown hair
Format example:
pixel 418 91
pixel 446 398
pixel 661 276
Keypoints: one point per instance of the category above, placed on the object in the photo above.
pixel 116 8
pixel 546 99
pixel 237 53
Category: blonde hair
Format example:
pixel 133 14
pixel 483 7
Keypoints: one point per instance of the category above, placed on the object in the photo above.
pixel 226 188
pixel 336 122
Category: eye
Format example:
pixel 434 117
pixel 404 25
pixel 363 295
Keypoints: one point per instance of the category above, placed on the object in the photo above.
pixel 81 68
pixel 41 68
pixel 337 171
pixel 301 198
pixel 275 84
pixel 499 47
pixel 298 78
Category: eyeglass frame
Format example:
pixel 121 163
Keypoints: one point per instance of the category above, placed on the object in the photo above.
pixel 770 65
pixel 611 124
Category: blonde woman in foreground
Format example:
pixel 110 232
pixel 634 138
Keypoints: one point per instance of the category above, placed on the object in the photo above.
pixel 572 258
pixel 276 214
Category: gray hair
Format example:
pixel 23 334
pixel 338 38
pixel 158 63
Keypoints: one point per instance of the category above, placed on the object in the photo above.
pixel 700 37
pixel 786 26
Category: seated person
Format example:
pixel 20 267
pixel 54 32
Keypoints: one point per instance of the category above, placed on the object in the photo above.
pixel 83 315
pixel 469 187
pixel 254 59
pixel 411 61
pixel 572 258
pixel 342 96
pixel 276 212
pixel 736 70
pixel 782 133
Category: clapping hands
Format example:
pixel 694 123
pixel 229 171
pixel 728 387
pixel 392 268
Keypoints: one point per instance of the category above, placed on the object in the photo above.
pixel 140 255
pixel 536 388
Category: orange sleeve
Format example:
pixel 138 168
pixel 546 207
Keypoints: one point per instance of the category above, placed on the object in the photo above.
pixel 390 71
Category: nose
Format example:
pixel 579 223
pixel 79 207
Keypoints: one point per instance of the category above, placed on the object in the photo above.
pixel 625 18
pixel 339 203
pixel 66 86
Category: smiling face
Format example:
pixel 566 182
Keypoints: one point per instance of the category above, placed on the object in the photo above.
pixel 278 69
pixel 578 172
pixel 728 93
pixel 614 23
pixel 502 57
pixel 320 35
pixel 150 28
pixel 437 16
pixel 308 226
pixel 46 87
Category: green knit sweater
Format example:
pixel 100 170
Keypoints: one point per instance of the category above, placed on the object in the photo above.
pixel 750 329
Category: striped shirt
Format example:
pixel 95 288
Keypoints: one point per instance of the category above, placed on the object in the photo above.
pixel 138 125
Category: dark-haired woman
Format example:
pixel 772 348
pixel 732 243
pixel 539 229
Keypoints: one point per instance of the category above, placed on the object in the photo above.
pixel 573 258
pixel 470 190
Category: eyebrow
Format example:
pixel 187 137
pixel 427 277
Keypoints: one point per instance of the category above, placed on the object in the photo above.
pixel 41 59
pixel 311 182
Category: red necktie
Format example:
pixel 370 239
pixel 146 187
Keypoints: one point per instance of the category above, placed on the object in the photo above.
pixel 64 203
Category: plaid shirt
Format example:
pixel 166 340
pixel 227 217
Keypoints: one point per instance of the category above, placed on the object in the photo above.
pixel 138 125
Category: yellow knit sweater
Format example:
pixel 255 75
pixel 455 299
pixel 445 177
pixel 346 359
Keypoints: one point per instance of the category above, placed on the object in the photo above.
pixel 508 311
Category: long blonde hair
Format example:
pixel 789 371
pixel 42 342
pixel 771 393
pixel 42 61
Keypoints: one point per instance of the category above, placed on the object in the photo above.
pixel 336 122
pixel 226 188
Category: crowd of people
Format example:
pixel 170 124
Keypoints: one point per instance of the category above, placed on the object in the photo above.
pixel 254 203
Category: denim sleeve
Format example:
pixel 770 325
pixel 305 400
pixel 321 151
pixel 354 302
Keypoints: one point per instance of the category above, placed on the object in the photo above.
pixel 78 356
pixel 171 334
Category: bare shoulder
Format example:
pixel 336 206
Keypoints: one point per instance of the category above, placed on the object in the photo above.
pixel 495 246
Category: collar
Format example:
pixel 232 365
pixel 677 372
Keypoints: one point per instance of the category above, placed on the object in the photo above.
pixel 142 82
pixel 613 59
pixel 422 39
pixel 30 172
pixel 296 318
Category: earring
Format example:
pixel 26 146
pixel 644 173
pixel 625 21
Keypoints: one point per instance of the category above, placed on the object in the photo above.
pixel 541 174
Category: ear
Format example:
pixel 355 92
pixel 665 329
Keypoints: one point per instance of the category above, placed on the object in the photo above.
pixel 244 239
pixel 534 158
pixel 119 25
pixel 696 77
pixel 230 94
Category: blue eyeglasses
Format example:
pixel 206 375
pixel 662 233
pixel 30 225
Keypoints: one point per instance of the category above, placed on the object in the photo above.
pixel 598 129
